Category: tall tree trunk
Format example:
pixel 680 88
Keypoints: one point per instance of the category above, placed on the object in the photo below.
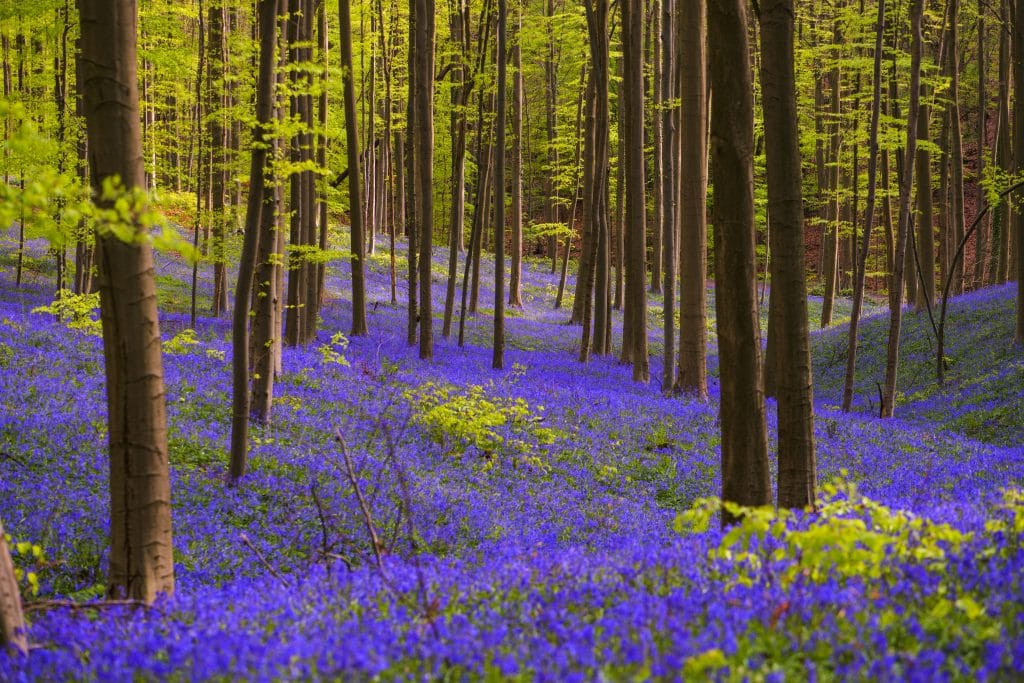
pixel 355 199
pixel 250 247
pixel 791 345
pixel 657 140
pixel 1018 159
pixel 668 113
pixel 423 100
pixel 860 266
pixel 888 397
pixel 693 201
pixel 636 271
pixel 1004 156
pixel 515 288
pixel 925 247
pixel 141 548
pixel 981 239
pixel 830 244
pixel 217 70
pixel 498 357
pixel 745 478
pixel 956 144
pixel 460 31
pixel 550 111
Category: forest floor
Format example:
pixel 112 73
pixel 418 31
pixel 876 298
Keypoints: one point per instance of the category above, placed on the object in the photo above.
pixel 546 522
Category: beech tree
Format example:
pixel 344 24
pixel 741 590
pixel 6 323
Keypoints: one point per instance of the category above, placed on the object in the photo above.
pixel 254 212
pixel 141 549
pixel 888 397
pixel 789 336
pixel 635 338
pixel 742 409
pixel 693 244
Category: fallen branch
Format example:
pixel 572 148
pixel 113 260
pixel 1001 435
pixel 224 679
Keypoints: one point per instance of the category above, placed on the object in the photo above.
pixel 263 560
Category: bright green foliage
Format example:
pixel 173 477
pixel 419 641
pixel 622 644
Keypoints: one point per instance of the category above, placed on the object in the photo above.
pixel 462 418
pixel 334 352
pixel 76 311
pixel 28 559
pixel 182 342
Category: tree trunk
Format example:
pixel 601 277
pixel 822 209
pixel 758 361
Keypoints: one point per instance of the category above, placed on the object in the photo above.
pixel 888 397
pixel 636 271
pixel 668 181
pixel 791 344
pixel 250 247
pixel 217 70
pixel 1018 159
pixel 498 357
pixel 423 101
pixel 693 248
pixel 925 248
pixel 860 265
pixel 830 244
pixel 141 548
pixel 355 188
pixel 515 288
pixel 745 478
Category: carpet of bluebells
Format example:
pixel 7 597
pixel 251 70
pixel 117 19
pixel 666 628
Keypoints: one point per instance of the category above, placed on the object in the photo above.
pixel 550 521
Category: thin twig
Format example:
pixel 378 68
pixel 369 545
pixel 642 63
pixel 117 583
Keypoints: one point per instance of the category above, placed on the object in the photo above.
pixel 263 560
pixel 367 516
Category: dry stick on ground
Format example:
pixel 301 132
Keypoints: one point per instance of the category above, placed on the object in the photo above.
pixel 428 607
pixel 367 517
pixel 263 560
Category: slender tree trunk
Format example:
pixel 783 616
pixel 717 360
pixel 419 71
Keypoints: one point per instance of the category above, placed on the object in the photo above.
pixel 657 139
pixel 830 244
pixel 1018 160
pixel 217 65
pixel 888 397
pixel 498 357
pixel 860 265
pixel 956 144
pixel 250 246
pixel 358 240
pixel 745 478
pixel 791 345
pixel 515 288
pixel 669 114
pixel 925 293
pixel 981 239
pixel 141 547
pixel 636 271
pixel 423 101
pixel 458 134
pixel 692 377
pixel 1004 154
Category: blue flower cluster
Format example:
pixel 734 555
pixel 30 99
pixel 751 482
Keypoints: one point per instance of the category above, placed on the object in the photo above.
pixel 553 559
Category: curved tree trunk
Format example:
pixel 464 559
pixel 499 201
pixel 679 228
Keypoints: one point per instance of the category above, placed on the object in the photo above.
pixel 141 549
